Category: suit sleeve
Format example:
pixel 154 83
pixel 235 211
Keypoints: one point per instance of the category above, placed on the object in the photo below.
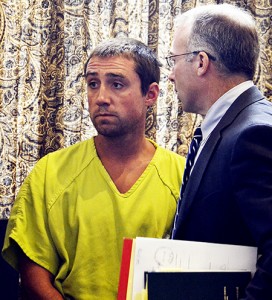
pixel 251 170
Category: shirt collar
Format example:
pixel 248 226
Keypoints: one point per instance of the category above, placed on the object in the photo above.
pixel 219 108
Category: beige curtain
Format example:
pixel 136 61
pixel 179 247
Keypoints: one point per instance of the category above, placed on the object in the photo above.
pixel 43 47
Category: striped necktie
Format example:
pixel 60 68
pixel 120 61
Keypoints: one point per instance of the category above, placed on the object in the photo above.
pixel 194 146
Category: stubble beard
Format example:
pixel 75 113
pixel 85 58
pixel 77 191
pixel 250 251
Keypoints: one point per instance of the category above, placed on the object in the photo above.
pixel 118 128
pixel 114 130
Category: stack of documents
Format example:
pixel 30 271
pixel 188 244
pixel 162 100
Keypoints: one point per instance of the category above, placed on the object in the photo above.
pixel 143 256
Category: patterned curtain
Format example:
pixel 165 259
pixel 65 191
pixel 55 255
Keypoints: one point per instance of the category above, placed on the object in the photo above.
pixel 43 47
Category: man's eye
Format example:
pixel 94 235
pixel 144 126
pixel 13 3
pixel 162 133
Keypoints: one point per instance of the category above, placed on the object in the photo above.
pixel 117 85
pixel 92 84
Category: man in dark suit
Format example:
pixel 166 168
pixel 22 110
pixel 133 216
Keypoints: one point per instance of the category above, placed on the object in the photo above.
pixel 228 197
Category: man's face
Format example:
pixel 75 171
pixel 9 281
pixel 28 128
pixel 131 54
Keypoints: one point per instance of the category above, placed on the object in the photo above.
pixel 183 74
pixel 116 104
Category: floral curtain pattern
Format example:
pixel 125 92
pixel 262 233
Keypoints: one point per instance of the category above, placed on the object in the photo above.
pixel 43 47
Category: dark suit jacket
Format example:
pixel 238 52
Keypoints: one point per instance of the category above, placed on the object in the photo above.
pixel 228 198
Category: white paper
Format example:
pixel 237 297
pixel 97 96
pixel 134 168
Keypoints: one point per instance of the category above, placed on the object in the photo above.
pixel 155 254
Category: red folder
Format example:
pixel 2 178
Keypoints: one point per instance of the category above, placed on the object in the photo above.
pixel 124 269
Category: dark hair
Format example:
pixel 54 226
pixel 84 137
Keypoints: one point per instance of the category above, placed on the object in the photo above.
pixel 228 33
pixel 147 66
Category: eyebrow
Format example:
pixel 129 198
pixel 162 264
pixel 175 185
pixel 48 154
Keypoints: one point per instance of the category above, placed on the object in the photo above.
pixel 110 75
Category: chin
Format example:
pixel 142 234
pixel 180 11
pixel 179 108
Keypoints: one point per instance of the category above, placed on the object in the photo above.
pixel 108 132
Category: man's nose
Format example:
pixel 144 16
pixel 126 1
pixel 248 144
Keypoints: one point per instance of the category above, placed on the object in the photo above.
pixel 171 76
pixel 103 95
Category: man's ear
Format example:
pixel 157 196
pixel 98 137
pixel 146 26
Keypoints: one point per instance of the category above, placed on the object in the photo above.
pixel 203 63
pixel 152 94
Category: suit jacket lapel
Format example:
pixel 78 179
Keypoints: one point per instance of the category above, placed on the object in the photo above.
pixel 245 99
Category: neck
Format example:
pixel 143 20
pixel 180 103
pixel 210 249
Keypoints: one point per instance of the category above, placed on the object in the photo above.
pixel 124 159
pixel 219 86
pixel 116 148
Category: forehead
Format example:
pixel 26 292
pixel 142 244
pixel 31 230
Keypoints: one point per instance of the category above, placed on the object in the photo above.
pixel 180 40
pixel 115 64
